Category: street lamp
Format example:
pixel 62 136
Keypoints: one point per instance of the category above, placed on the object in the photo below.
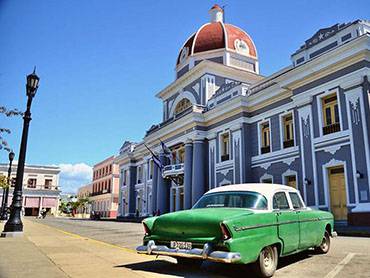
pixel 4 210
pixel 14 225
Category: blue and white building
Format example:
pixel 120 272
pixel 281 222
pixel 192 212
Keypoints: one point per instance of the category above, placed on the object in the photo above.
pixel 307 125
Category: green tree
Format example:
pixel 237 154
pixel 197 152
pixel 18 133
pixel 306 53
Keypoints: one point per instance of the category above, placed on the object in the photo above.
pixel 3 181
pixel 64 208
pixel 8 113
pixel 83 203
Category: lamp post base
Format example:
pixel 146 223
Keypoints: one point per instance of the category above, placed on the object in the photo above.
pixel 12 234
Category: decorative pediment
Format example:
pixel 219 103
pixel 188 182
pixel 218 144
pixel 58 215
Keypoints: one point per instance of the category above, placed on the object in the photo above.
pixel 322 34
pixel 226 87
pixel 127 147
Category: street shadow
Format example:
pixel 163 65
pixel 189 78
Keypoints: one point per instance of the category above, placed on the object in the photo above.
pixel 292 259
pixel 210 269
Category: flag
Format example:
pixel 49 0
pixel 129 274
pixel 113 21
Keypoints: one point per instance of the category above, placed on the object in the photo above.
pixel 155 158
pixel 158 162
pixel 165 149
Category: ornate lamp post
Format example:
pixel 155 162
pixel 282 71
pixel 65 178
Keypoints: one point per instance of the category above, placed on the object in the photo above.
pixel 14 225
pixel 4 211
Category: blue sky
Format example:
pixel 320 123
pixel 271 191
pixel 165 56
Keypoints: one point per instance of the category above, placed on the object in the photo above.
pixel 102 62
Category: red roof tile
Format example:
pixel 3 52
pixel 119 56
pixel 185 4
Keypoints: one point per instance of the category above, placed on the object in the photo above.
pixel 234 33
pixel 210 37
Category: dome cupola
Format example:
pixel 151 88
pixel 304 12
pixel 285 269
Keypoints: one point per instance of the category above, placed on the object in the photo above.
pixel 219 42
pixel 217 14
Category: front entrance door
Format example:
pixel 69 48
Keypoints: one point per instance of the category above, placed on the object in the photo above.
pixel 338 198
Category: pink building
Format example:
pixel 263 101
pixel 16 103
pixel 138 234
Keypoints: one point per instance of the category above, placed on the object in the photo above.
pixel 105 188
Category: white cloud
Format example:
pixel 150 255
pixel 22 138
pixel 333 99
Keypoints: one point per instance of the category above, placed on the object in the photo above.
pixel 72 176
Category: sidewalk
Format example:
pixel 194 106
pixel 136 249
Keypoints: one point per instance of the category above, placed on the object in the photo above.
pixel 47 252
pixel 357 231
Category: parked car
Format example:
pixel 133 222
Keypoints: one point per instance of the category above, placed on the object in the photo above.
pixel 240 224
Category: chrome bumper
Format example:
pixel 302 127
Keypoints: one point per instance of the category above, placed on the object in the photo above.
pixel 196 253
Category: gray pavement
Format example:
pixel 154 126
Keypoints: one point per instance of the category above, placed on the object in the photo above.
pixel 348 257
pixel 118 233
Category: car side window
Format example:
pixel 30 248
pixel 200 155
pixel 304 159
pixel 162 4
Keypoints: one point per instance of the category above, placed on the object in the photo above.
pixel 280 201
pixel 296 201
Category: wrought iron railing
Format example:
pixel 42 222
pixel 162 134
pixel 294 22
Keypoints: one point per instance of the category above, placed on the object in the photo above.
pixel 331 128
pixel 225 157
pixel 173 169
pixel 288 143
pixel 265 149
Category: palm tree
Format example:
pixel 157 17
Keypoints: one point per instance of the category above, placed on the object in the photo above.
pixel 83 203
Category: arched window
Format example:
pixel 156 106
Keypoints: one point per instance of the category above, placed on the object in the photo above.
pixel 182 105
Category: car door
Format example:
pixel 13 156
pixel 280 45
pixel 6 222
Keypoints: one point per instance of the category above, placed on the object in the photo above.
pixel 287 221
pixel 309 228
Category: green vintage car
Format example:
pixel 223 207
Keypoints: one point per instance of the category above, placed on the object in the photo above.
pixel 241 224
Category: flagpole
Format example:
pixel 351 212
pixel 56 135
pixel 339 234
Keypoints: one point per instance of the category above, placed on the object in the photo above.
pixel 158 162
pixel 169 151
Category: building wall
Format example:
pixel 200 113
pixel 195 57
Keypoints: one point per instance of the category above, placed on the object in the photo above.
pixel 240 110
pixel 42 192
pixel 105 188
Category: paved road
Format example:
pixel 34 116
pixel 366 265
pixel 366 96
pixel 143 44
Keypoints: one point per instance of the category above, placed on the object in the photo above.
pixel 117 233
pixel 348 257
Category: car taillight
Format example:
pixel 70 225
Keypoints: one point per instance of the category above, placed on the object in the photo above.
pixel 146 229
pixel 225 232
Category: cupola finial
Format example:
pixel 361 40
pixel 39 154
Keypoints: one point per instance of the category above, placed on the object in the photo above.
pixel 217 13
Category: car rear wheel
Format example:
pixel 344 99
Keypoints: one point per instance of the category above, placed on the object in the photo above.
pixel 324 247
pixel 267 262
pixel 189 262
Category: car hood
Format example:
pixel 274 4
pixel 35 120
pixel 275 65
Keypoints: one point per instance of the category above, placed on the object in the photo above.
pixel 195 223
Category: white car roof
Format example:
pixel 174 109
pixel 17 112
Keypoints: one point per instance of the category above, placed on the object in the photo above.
pixel 266 189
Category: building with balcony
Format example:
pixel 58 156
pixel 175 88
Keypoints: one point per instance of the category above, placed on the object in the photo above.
pixel 40 188
pixel 104 192
pixel 306 126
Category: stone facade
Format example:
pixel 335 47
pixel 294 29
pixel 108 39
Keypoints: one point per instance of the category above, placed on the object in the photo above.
pixel 40 188
pixel 307 125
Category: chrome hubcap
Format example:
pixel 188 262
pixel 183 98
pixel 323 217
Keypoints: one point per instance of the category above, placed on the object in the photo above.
pixel 268 258
pixel 324 244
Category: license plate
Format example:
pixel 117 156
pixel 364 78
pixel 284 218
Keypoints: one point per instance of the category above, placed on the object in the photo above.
pixel 181 245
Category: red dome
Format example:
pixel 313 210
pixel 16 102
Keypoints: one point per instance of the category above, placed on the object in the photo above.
pixel 217 35
pixel 234 33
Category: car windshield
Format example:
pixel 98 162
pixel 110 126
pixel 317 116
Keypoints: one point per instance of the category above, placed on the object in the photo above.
pixel 245 199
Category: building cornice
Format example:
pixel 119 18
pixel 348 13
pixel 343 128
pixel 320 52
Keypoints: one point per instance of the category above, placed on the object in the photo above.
pixel 204 67
pixel 108 161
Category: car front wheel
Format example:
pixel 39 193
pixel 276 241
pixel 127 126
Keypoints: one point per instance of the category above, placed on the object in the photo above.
pixel 324 247
pixel 267 262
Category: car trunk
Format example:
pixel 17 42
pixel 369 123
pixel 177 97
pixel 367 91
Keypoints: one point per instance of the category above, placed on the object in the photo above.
pixel 195 224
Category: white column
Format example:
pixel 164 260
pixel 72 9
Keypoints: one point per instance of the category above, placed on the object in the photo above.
pixel 236 144
pixel 40 205
pixel 212 160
